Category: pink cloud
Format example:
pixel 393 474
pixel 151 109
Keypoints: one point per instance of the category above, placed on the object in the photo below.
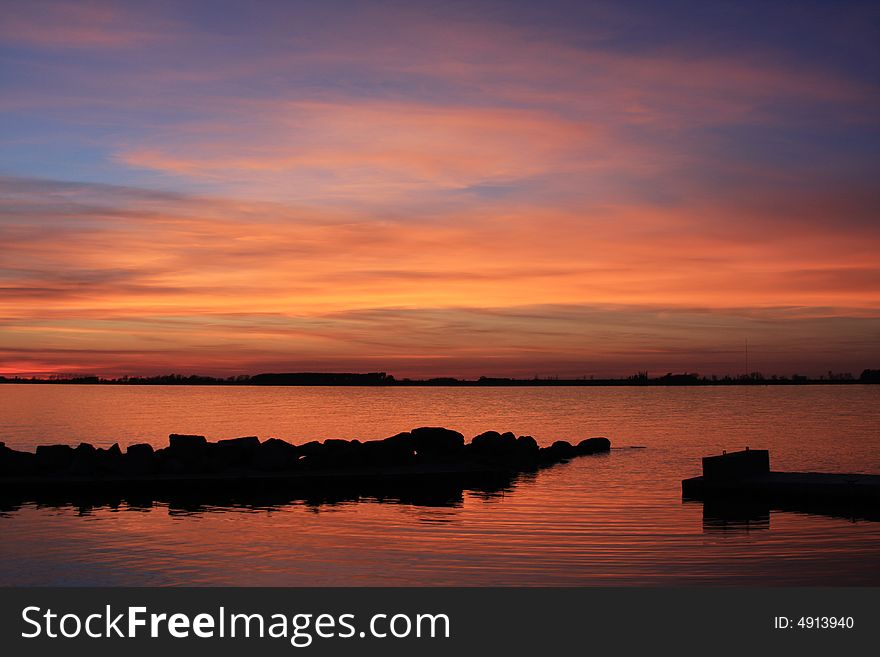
pixel 80 25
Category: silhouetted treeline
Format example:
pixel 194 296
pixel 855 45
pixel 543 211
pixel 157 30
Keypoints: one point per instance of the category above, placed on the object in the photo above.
pixel 382 379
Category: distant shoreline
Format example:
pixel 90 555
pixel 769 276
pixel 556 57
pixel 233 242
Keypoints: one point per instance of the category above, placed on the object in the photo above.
pixel 381 379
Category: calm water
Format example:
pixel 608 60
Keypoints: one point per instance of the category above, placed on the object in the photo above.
pixel 615 519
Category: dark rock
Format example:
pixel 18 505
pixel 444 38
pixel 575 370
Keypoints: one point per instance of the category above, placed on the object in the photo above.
pixel 233 452
pixel 240 445
pixel 402 440
pixel 332 453
pixel 336 444
pixel 19 464
pixel 563 447
pixel 54 458
pixel 140 450
pixel 85 460
pixel 394 450
pixel 436 443
pixel 310 448
pixel 191 451
pixel 341 453
pixel 110 460
pixel 490 452
pixel 311 454
pixel 113 451
pixel 274 455
pixel 488 441
pixel 495 446
pixel 140 459
pixel 16 464
pixel 593 445
pixel 527 449
pixel 561 450
pixel 186 441
pixel 171 465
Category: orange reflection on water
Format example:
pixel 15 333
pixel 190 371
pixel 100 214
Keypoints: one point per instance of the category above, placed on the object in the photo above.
pixel 616 518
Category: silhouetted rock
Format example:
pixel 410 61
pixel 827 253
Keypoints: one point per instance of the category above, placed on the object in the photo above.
pixel 109 461
pixel 403 440
pixel 244 445
pixel 233 452
pixel 186 441
pixel 398 449
pixel 311 454
pixel 54 458
pixel 139 450
pixel 336 453
pixel 140 459
pixel 527 449
pixel 171 465
pixel 310 448
pixel 561 450
pixel 189 450
pixel 332 453
pixel 14 463
pixel 111 452
pixel 85 460
pixel 274 455
pixel 493 446
pixel 425 454
pixel 436 443
pixel 486 443
pixel 594 445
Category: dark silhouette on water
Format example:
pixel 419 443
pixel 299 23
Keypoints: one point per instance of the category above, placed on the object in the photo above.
pixel 868 376
pixel 427 463
pixel 734 517
pixel 739 487
pixel 273 494
pixel 750 515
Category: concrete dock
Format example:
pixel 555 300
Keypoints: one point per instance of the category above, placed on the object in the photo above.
pixel 744 475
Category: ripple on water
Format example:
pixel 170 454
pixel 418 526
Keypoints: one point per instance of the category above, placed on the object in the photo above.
pixel 613 519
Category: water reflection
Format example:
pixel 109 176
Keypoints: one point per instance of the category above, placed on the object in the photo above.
pixel 446 492
pixel 616 520
pixel 746 516
pixel 735 517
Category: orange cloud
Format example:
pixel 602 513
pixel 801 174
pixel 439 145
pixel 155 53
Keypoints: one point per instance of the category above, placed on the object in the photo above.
pixel 426 192
pixel 348 150
pixel 177 279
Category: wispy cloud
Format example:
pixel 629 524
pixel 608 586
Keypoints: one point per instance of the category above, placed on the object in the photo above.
pixel 454 187
pixel 100 273
pixel 55 24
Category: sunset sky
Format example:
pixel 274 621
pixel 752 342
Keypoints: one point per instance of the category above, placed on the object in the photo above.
pixel 439 188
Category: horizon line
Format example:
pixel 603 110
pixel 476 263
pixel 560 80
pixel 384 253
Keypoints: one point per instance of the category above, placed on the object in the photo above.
pixel 382 378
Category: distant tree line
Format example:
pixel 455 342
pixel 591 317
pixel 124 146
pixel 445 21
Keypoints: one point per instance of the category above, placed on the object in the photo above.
pixel 871 376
